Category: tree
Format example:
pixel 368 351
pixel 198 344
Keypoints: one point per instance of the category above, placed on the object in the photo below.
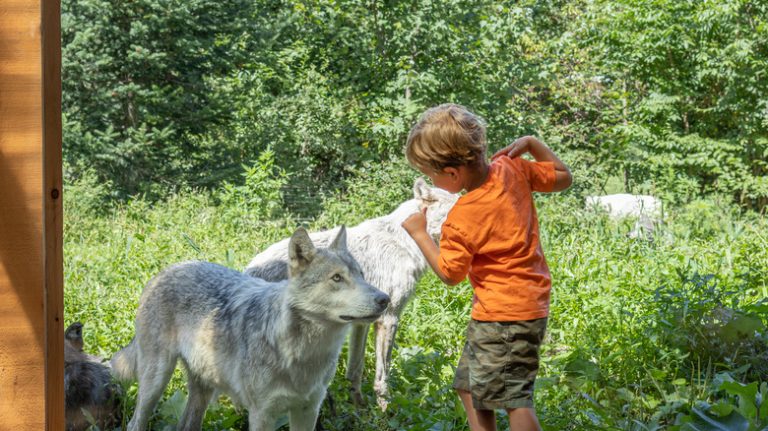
pixel 139 77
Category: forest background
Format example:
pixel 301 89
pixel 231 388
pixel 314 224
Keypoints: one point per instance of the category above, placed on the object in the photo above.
pixel 210 129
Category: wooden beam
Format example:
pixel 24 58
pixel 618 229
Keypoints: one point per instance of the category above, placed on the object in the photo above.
pixel 53 223
pixel 31 286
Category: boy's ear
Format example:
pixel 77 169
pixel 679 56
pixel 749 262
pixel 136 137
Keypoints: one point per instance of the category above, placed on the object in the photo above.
pixel 421 190
pixel 453 172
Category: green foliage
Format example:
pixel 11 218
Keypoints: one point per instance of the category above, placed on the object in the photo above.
pixel 668 96
pixel 373 191
pixel 93 196
pixel 140 76
pixel 684 89
pixel 741 407
pixel 712 323
pixel 260 195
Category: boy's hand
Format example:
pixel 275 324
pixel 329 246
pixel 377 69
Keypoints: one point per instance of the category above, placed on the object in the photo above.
pixel 517 148
pixel 415 223
pixel 416 226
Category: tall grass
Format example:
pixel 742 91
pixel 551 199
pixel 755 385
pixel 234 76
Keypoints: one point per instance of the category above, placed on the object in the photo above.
pixel 640 334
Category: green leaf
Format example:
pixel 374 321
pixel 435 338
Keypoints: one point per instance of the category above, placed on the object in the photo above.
pixel 722 408
pixel 583 367
pixel 703 422
pixel 748 391
pixel 742 326
pixel 191 242
pixel 173 407
pixel 763 411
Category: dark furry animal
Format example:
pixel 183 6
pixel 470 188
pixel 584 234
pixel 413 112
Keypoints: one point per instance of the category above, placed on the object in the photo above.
pixel 74 336
pixel 91 398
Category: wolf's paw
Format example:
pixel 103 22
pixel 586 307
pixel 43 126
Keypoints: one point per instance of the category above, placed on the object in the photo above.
pixel 382 395
pixel 383 403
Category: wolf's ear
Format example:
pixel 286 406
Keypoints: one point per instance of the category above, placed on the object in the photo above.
pixel 340 242
pixel 74 334
pixel 301 251
pixel 421 189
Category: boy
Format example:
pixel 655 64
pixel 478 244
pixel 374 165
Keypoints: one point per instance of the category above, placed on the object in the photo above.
pixel 492 235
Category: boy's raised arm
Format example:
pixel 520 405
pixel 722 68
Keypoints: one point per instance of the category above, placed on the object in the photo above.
pixel 542 153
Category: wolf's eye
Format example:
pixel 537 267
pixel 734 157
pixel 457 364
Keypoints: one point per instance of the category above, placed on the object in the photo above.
pixel 336 277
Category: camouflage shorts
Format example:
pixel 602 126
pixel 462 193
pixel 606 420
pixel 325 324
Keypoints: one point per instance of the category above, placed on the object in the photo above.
pixel 499 363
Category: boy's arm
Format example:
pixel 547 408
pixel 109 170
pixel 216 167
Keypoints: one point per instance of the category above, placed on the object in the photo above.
pixel 542 153
pixel 416 226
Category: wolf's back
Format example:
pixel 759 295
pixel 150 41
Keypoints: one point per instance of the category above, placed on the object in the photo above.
pixel 124 362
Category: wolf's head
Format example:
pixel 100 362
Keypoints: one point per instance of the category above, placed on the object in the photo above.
pixel 438 203
pixel 328 283
pixel 73 336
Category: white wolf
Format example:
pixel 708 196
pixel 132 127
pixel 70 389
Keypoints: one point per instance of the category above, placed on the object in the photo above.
pixel 273 347
pixel 390 260
pixel 646 209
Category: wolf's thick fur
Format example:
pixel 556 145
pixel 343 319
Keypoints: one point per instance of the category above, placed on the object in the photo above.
pixel 88 386
pixel 273 347
pixel 390 260
pixel 645 208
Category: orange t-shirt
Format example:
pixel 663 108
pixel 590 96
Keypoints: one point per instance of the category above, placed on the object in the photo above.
pixel 492 235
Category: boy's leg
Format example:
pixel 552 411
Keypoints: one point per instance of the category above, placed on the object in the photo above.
pixel 523 419
pixel 479 420
pixel 504 361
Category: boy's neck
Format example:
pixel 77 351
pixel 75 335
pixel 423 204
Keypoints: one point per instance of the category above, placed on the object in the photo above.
pixel 476 175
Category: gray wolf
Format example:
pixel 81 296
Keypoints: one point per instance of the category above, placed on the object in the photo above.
pixel 90 396
pixel 390 260
pixel 272 347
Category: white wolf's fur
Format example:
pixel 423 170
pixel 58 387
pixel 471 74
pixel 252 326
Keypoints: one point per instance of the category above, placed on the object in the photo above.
pixel 390 260
pixel 645 208
pixel 273 347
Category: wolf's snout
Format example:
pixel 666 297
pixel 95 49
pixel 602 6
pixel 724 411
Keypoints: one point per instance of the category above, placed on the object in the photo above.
pixel 382 300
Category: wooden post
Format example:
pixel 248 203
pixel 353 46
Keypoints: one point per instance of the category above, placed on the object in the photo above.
pixel 31 285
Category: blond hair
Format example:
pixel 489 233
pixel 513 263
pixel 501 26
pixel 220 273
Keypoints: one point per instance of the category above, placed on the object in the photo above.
pixel 447 135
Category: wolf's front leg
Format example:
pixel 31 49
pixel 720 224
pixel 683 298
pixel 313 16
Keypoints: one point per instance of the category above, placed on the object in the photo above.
pixel 356 361
pixel 260 420
pixel 386 327
pixel 303 416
